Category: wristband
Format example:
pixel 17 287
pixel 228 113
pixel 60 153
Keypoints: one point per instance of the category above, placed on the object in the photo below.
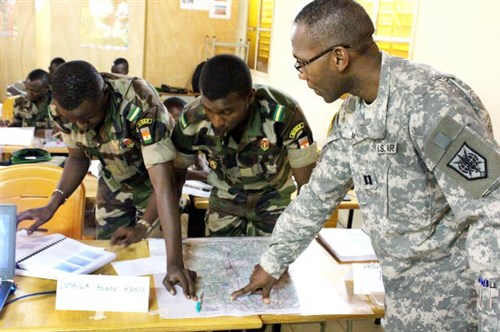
pixel 59 191
pixel 148 226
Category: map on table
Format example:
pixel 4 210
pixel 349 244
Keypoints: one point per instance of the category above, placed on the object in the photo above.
pixel 223 266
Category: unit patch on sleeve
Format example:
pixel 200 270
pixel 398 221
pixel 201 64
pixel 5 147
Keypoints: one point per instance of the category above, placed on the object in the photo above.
pixel 297 129
pixel 470 164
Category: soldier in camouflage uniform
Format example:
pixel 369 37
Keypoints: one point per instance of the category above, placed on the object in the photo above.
pixel 32 109
pixel 122 122
pixel 418 146
pixel 254 140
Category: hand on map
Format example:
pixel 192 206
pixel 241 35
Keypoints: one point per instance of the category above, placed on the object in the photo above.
pixel 184 277
pixel 260 281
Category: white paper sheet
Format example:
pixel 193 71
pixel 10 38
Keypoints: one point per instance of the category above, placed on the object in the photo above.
pixel 17 135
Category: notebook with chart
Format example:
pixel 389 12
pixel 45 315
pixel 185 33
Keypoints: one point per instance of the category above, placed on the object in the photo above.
pixel 347 245
pixel 8 224
pixel 48 256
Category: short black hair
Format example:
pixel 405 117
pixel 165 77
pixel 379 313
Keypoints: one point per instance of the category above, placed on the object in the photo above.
pixel 76 81
pixel 121 62
pixel 57 61
pixel 224 74
pixel 173 102
pixel 38 75
pixel 340 22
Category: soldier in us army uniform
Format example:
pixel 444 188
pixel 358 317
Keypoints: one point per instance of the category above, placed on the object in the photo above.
pixel 121 122
pixel 32 109
pixel 254 139
pixel 418 146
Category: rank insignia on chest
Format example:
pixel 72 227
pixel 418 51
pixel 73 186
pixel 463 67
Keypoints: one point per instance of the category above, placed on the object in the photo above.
pixel 212 164
pixel 387 148
pixel 468 163
pixel 264 144
pixel 127 143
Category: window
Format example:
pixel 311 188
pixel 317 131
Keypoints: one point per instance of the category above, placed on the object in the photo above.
pixel 394 22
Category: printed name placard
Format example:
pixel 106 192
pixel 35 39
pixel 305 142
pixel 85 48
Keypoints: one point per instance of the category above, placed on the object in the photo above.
pixel 102 293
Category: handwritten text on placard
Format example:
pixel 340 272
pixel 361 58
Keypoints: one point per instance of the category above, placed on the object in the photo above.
pixel 102 293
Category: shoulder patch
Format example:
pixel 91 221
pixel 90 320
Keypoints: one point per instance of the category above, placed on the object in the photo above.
pixel 469 163
pixel 278 112
pixel 134 113
pixel 295 130
pixel 144 122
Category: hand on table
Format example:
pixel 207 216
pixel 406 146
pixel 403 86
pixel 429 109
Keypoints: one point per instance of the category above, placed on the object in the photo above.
pixel 39 215
pixel 260 281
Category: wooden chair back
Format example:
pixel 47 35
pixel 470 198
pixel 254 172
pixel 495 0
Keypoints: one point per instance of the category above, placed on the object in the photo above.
pixel 31 186
pixel 8 108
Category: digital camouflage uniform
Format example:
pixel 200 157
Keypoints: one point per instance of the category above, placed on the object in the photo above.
pixel 133 138
pixel 27 114
pixel 252 182
pixel 426 168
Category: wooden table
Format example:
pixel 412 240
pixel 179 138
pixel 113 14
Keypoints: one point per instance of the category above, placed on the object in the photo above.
pixel 319 280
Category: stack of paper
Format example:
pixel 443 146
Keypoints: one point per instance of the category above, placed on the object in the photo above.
pixel 347 245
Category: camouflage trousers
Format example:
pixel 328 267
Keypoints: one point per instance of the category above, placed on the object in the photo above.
pixel 246 214
pixel 121 208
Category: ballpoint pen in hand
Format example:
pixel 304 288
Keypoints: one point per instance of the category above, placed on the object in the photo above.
pixel 199 302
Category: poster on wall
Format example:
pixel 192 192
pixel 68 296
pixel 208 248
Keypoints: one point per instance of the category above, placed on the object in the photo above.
pixel 105 24
pixel 8 28
pixel 220 9
pixel 195 4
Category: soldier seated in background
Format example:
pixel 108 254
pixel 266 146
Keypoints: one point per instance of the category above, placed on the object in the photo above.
pixel 120 66
pixel 254 138
pixel 54 63
pixel 32 109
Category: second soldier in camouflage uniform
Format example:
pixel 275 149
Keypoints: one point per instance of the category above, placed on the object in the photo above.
pixel 254 139
pixel 418 147
pixel 32 109
pixel 121 122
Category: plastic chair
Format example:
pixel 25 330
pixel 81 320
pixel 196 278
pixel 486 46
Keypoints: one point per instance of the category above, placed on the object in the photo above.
pixel 8 108
pixel 31 185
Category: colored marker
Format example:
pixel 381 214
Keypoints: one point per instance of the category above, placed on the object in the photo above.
pixel 199 302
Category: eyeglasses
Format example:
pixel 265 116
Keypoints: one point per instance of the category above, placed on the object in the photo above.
pixel 299 64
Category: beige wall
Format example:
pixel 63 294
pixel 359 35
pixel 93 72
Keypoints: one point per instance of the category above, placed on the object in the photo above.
pixel 165 42
pixel 458 36
pixel 17 55
pixel 175 40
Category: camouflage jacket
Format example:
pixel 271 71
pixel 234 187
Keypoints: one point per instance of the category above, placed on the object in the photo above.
pixel 27 114
pixel 134 136
pixel 424 164
pixel 276 139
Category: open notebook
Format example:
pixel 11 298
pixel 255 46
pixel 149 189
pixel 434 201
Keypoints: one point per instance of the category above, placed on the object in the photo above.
pixel 8 226
pixel 49 256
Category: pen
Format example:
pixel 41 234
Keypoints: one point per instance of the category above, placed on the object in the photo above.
pixel 36 230
pixel 199 302
pixel 197 187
